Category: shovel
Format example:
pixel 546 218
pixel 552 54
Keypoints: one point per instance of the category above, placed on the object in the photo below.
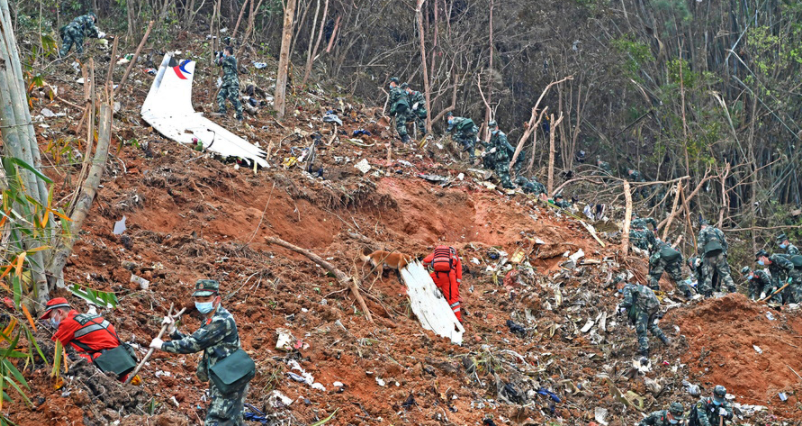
pixel 150 351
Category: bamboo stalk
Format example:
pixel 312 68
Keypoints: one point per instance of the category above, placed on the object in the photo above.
pixel 136 56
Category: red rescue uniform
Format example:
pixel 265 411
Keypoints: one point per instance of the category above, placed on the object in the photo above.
pixel 90 330
pixel 449 282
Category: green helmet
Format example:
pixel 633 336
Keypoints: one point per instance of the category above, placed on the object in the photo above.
pixel 782 237
pixel 676 409
pixel 761 253
pixel 394 80
pixel 492 124
pixel 205 288
pixel 745 270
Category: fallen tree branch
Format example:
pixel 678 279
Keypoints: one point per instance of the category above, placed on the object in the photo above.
pixel 351 282
pixel 532 126
pixel 133 60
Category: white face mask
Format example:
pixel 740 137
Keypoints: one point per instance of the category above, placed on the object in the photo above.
pixel 54 322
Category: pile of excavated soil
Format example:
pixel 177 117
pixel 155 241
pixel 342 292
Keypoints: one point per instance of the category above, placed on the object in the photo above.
pixel 754 351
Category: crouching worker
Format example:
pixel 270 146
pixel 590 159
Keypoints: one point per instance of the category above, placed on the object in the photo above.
pixel 92 337
pixel 445 268
pixel 226 367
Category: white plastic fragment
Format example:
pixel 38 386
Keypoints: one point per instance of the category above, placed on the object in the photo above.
pixel 284 342
pixel 143 283
pixel 363 166
pixel 757 349
pixel 600 414
pixel 119 226
pixel 380 382
pixel 278 400
pixel 576 256
pixel 588 326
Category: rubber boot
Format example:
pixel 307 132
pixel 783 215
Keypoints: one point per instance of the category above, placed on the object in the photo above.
pixel 644 352
pixel 665 340
pixel 405 139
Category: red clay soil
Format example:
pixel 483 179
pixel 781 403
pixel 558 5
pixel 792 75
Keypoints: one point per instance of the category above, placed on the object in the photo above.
pixel 721 335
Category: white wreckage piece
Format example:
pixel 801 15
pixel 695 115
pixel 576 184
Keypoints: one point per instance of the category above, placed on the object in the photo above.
pixel 168 108
pixel 429 305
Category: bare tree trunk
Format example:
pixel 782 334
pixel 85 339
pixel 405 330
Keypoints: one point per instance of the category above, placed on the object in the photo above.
pixel 133 60
pixel 673 211
pixel 284 60
pixel 488 110
pixel 627 219
pixel 552 152
pixel 724 198
pixel 55 270
pixel 239 18
pixel 310 58
pixel 532 126
pixel 426 86
pixel 19 138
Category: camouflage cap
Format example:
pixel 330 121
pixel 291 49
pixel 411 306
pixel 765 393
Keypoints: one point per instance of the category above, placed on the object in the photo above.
pixel 704 222
pixel 761 253
pixel 745 270
pixel 205 288
pixel 676 409
pixel 404 85
pixel 782 237
pixel 394 80
pixel 492 124
pixel 719 392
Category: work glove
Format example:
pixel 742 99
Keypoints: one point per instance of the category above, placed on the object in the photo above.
pixel 156 344
pixel 762 296
pixel 415 107
pixel 170 323
pixel 622 311
pixel 101 34
pixel 493 150
pixel 723 412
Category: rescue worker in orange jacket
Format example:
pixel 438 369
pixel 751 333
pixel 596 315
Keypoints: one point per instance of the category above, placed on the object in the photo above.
pixel 445 268
pixel 88 334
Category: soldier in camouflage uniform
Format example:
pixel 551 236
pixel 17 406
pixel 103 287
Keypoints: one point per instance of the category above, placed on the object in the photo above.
pixel 665 258
pixel 503 153
pixel 74 33
pixel 399 108
pixel 758 283
pixel 604 167
pixel 230 88
pixel 464 132
pixel 217 338
pixel 710 411
pixel 417 104
pixel 714 250
pixel 782 272
pixel 641 306
pixel 530 186
pixel 639 234
pixel 672 416
pixel 782 241
pixel 560 202
pixel 635 176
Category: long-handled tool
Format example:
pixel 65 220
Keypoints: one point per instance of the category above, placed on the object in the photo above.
pixel 777 291
pixel 150 351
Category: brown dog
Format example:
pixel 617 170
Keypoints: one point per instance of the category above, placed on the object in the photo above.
pixel 381 259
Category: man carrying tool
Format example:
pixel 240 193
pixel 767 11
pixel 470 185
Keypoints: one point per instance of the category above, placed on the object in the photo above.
pixel 713 245
pixel 89 335
pixel 780 270
pixel 74 33
pixel 712 411
pixel 230 88
pixel 445 268
pixel 672 416
pixel 218 338
pixel 641 307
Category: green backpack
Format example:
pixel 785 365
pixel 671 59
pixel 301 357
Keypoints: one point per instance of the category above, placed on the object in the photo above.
pixel 669 254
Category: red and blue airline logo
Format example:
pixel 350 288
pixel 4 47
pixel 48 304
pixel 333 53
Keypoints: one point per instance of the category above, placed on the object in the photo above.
pixel 180 70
